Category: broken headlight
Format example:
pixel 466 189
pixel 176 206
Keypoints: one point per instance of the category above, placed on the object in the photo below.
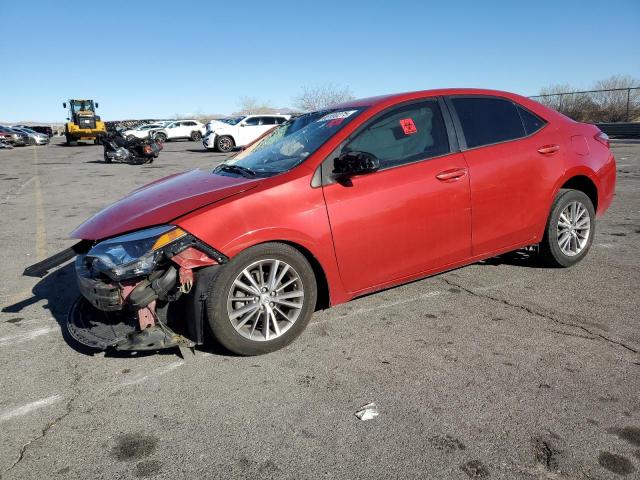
pixel 133 254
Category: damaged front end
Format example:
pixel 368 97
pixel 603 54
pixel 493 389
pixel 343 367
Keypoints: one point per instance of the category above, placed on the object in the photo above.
pixel 138 290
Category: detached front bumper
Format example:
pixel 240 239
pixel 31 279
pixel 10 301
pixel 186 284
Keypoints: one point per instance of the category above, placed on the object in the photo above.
pixel 209 140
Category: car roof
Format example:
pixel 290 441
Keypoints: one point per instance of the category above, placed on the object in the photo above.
pixel 384 101
pixel 406 96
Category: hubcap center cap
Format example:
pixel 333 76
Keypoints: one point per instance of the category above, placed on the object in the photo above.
pixel 264 298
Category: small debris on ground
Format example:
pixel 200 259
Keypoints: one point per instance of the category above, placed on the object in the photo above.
pixel 367 412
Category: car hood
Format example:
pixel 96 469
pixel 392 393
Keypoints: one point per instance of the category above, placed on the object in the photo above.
pixel 162 201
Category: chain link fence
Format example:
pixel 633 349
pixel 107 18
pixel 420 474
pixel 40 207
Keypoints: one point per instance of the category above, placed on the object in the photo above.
pixel 596 106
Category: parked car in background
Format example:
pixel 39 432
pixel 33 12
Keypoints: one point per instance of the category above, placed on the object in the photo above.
pixel 39 128
pixel 143 131
pixel 180 130
pixel 35 138
pixel 14 137
pixel 226 134
pixel 370 194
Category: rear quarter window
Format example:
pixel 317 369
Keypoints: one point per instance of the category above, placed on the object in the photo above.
pixel 532 123
pixel 486 121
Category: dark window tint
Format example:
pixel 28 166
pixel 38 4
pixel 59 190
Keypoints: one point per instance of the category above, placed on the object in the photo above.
pixel 532 123
pixel 488 120
pixel 252 121
pixel 268 121
pixel 280 120
pixel 405 134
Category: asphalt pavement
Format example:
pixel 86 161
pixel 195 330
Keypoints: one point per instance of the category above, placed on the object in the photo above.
pixel 499 370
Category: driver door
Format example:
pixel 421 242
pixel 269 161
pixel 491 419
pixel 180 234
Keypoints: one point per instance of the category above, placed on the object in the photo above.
pixel 413 215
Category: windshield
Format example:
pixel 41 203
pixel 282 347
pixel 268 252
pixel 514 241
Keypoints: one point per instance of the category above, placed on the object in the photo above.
pixel 82 105
pixel 284 149
pixel 231 120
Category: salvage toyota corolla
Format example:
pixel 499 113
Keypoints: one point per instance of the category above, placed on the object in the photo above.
pixel 367 195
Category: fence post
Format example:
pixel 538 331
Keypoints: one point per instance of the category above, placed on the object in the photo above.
pixel 628 98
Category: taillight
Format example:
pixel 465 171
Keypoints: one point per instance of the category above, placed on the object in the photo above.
pixel 603 138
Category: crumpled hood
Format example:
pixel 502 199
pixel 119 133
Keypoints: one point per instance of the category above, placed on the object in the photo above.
pixel 162 201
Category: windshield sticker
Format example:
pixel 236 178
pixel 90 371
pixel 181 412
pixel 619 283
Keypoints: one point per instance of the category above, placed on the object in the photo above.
pixel 337 115
pixel 408 127
pixel 334 122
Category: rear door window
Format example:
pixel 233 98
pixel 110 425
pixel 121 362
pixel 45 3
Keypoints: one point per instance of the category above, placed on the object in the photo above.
pixel 253 121
pixel 404 134
pixel 487 120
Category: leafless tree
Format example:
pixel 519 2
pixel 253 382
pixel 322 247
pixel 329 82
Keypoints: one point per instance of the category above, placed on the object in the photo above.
pixel 610 100
pixel 578 106
pixel 320 96
pixel 251 105
pixel 612 104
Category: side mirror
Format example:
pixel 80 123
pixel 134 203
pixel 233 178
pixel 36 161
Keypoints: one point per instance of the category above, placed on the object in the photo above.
pixel 64 104
pixel 97 104
pixel 355 163
pixel 243 124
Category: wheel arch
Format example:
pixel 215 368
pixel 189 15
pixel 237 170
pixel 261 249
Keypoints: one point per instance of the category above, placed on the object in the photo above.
pixel 585 185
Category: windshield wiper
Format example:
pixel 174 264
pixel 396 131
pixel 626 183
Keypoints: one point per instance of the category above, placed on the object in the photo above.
pixel 244 171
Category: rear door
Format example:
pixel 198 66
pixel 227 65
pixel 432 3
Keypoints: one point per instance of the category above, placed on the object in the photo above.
pixel 248 131
pixel 510 180
pixel 412 215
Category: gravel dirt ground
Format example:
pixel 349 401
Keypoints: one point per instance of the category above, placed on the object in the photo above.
pixel 499 370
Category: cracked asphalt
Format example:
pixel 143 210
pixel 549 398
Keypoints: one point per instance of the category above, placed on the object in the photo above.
pixel 499 370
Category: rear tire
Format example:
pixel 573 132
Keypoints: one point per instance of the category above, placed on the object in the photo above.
pixel 268 324
pixel 570 229
pixel 196 136
pixel 224 144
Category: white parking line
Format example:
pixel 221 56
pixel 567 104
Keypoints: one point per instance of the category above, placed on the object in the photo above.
pixel 392 304
pixel 29 407
pixel 23 337
pixel 157 372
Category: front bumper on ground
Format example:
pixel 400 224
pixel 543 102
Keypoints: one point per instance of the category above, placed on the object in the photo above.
pixel 209 140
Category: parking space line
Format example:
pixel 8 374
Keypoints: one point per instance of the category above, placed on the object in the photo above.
pixel 157 372
pixel 41 233
pixel 23 337
pixel 29 407
pixel 392 304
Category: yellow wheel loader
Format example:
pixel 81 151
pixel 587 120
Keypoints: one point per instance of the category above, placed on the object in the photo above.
pixel 83 124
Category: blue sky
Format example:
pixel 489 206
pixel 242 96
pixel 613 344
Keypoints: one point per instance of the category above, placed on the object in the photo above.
pixel 148 59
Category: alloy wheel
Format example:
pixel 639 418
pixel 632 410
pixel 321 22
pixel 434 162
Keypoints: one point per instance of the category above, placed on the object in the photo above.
pixel 265 300
pixel 574 228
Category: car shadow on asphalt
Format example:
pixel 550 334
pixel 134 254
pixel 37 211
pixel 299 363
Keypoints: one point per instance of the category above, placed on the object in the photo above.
pixel 59 290
pixel 526 258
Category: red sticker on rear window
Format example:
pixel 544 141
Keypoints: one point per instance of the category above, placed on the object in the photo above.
pixel 408 127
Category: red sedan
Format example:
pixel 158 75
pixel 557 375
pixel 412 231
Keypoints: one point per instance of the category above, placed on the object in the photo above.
pixel 369 194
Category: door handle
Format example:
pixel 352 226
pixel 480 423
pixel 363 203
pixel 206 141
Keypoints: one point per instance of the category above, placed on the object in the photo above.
pixel 453 174
pixel 548 149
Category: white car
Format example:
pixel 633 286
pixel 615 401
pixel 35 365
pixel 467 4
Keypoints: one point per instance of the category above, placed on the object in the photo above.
pixel 227 133
pixel 142 131
pixel 187 129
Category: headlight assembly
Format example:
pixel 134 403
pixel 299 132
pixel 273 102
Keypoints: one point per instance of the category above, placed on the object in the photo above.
pixel 135 253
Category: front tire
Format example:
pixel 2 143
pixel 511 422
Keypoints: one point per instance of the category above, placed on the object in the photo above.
pixel 224 144
pixel 262 299
pixel 160 137
pixel 570 229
